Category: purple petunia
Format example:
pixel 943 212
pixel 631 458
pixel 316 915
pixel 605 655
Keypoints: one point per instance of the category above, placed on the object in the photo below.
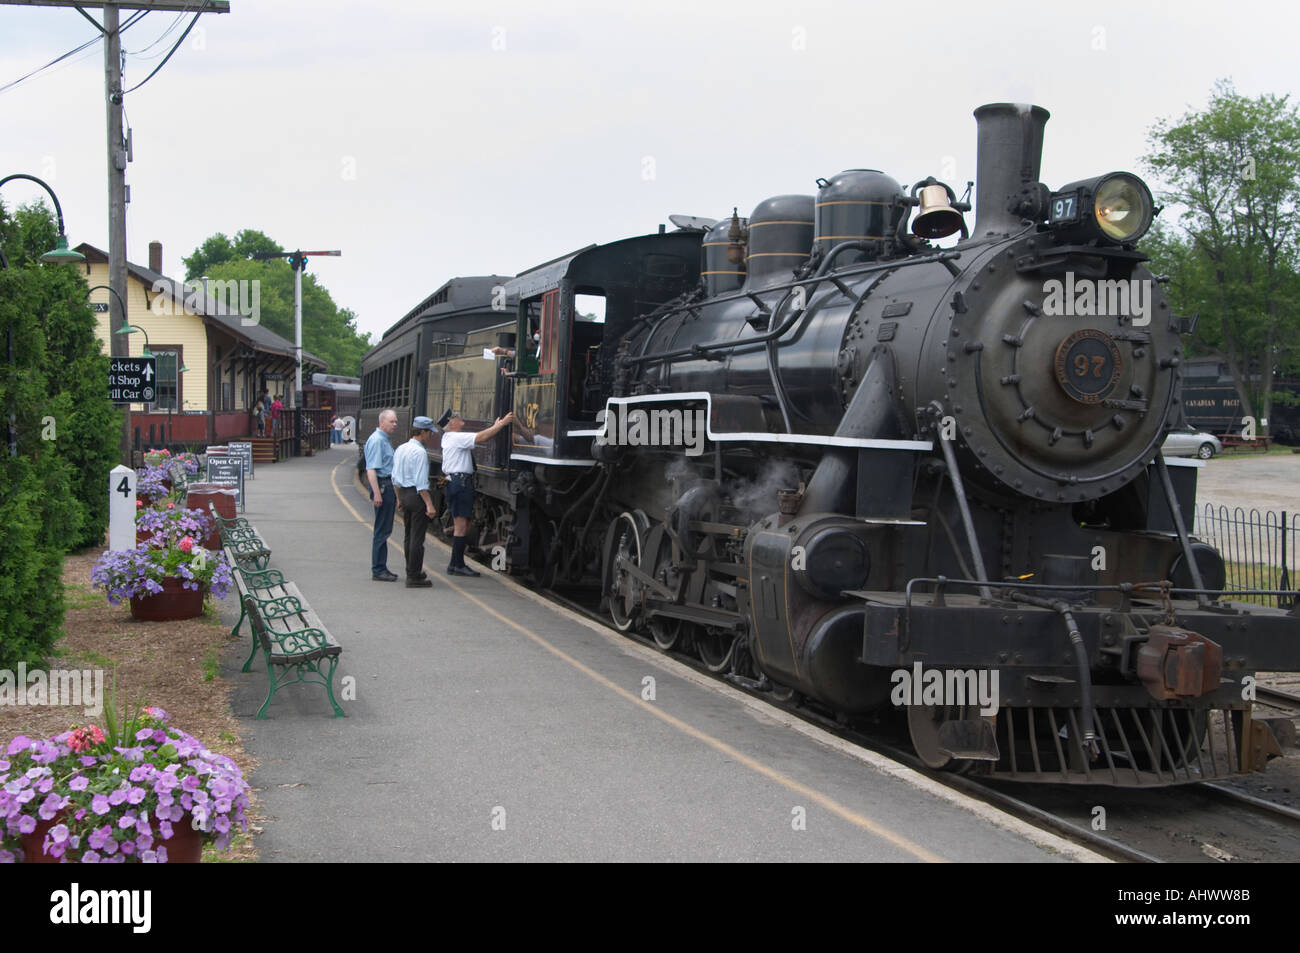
pixel 51 806
pixel 168 778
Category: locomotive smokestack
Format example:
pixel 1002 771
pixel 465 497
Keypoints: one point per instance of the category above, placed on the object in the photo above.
pixel 1010 143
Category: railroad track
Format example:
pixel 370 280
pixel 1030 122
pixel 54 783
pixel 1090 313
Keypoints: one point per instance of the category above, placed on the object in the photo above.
pixel 1142 825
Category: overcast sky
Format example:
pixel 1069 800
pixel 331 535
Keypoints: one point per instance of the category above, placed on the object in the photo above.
pixel 429 139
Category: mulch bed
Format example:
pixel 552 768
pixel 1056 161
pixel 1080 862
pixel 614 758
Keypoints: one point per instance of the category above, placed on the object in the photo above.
pixel 171 665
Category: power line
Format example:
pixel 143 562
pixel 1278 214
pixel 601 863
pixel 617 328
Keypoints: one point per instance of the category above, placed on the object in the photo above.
pixel 139 14
pixel 165 33
pixel 174 48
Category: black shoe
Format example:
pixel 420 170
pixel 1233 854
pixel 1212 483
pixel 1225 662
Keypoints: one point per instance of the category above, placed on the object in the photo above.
pixel 425 583
pixel 385 576
pixel 461 571
pixel 422 575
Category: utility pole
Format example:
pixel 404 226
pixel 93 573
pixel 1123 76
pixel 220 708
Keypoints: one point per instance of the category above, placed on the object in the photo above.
pixel 117 144
pixel 118 345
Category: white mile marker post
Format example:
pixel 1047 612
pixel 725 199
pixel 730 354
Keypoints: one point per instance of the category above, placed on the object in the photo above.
pixel 121 509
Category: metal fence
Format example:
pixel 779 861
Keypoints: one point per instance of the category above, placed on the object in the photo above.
pixel 1258 549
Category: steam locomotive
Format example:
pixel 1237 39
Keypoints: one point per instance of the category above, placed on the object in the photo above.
pixel 833 459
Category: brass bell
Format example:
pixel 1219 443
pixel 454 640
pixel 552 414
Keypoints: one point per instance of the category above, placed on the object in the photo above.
pixel 937 219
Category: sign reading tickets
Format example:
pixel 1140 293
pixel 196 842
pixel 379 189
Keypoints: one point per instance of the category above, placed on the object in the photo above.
pixel 244 450
pixel 132 380
pixel 228 471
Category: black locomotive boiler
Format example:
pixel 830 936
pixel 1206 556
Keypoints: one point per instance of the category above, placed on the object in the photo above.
pixel 829 457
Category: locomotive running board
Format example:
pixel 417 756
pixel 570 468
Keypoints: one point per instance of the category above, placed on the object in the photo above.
pixel 613 407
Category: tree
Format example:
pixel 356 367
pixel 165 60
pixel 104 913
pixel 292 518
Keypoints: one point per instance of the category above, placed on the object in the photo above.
pixel 328 331
pixel 53 492
pixel 1234 254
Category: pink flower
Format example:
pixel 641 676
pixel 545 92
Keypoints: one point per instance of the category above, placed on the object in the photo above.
pixel 186 543
pixel 83 739
pixel 171 506
pixel 139 504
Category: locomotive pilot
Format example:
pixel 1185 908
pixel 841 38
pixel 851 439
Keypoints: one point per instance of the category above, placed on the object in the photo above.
pixel 458 464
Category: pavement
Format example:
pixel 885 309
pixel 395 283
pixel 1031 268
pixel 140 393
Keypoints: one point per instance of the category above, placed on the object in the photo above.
pixel 486 724
pixel 1260 481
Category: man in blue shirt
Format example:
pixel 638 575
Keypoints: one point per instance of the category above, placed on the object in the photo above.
pixel 411 480
pixel 379 472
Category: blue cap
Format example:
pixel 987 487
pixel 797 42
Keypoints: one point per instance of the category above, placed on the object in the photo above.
pixel 422 423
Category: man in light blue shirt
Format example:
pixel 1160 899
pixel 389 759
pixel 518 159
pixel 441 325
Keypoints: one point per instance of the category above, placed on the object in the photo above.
pixel 411 480
pixel 379 473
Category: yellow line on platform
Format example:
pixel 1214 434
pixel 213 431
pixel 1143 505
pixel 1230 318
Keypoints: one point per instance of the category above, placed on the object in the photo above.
pixel 816 797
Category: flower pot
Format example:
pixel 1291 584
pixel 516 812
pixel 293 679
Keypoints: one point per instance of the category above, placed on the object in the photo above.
pixel 185 846
pixel 174 602
pixel 199 495
pixel 142 537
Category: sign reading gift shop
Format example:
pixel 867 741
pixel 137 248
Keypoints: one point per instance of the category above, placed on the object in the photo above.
pixel 228 471
pixel 132 380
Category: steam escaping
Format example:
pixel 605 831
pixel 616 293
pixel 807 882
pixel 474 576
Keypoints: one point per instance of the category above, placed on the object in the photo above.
pixel 756 498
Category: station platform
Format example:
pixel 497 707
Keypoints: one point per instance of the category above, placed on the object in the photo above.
pixel 491 725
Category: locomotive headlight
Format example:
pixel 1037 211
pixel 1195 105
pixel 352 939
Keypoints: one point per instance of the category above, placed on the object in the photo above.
pixel 1122 207
pixel 1115 208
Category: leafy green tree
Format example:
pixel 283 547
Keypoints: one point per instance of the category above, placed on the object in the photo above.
pixel 53 491
pixel 328 331
pixel 1234 253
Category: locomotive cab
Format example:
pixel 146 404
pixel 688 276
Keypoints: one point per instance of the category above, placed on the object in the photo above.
pixel 575 310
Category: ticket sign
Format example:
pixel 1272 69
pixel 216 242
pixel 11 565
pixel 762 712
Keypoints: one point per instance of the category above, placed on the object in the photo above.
pixel 244 451
pixel 228 471
pixel 132 380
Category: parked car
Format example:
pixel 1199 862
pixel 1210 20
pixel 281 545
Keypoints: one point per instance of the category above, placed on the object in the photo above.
pixel 1189 442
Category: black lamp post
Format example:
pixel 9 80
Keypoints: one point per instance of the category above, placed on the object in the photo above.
pixel 59 255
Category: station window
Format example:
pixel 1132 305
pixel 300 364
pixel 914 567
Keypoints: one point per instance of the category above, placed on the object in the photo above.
pixel 167 385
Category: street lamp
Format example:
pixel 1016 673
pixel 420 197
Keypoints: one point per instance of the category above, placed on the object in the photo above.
pixel 131 329
pixel 59 255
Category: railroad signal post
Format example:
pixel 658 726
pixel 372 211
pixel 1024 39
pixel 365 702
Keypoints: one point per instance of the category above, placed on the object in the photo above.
pixel 298 262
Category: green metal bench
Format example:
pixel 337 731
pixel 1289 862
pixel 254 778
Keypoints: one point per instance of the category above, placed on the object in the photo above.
pixel 296 645
pixel 180 479
pixel 261 583
pixel 238 536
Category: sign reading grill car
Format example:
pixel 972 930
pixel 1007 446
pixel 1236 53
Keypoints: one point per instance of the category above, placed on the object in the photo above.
pixel 132 380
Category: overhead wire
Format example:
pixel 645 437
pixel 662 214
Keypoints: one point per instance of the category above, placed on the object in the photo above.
pixel 161 37
pixel 175 47
pixel 135 17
